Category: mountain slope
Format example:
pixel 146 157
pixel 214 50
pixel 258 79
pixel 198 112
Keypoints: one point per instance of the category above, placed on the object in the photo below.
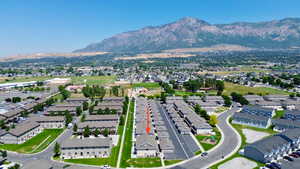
pixel 191 32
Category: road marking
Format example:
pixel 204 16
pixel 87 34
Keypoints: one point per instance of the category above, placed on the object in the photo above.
pixel 174 131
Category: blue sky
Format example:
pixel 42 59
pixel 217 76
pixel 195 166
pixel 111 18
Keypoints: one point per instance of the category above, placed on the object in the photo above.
pixel 30 26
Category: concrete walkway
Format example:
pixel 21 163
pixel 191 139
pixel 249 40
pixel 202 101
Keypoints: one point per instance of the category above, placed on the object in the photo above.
pixel 123 136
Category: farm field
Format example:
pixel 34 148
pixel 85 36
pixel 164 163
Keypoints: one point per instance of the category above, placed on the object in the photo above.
pixel 230 87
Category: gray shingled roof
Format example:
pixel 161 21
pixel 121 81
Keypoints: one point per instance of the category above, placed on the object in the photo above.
pixel 267 144
pixel 23 128
pixel 95 124
pixel 87 142
pixel 146 142
pixel 111 117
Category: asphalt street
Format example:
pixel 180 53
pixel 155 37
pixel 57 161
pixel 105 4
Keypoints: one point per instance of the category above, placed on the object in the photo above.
pixel 231 141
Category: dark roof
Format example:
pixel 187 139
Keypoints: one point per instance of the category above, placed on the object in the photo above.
pixel 266 145
pixel 252 117
pixel 286 123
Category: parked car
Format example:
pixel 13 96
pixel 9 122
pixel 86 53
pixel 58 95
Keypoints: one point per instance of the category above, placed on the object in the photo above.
pixel 288 158
pixel 293 155
pixel 204 154
pixel 271 166
pixel 276 165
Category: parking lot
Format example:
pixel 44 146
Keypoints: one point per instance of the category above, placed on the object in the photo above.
pixel 185 146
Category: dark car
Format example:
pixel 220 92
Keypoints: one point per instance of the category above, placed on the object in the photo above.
pixel 271 166
pixel 295 155
pixel 288 158
pixel 276 165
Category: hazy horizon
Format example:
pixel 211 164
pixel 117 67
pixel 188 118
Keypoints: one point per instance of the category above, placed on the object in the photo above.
pixel 63 26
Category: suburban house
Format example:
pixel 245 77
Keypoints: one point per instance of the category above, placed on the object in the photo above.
pixel 73 148
pixel 21 133
pixel 253 99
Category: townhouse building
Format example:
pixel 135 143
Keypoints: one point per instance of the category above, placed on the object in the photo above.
pixel 21 133
pixel 73 148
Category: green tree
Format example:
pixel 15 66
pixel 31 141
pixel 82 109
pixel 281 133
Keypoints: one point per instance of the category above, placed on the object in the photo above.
pixel 213 120
pixel 82 118
pixel 86 131
pixel 68 117
pixel 121 123
pixel 85 105
pixel 78 111
pixel 75 128
pixel 96 132
pixel 106 132
pixel 56 149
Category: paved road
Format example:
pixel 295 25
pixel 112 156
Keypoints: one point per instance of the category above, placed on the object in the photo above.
pixel 46 155
pixel 231 142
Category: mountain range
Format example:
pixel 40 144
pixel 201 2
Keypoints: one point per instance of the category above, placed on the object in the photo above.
pixel 191 32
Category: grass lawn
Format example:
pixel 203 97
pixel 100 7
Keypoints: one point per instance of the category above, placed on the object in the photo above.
pixel 147 85
pixel 36 144
pixel 207 146
pixel 230 87
pixel 24 79
pixel 126 152
pixel 170 162
pixel 221 109
pixel 90 161
pixel 279 114
pixel 186 93
pixel 90 80
pixel 93 80
pixel 145 162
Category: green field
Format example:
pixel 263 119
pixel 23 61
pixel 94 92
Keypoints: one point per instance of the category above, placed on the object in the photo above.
pixel 186 93
pixel 144 162
pixel 147 85
pixel 23 79
pixel 90 161
pixel 230 87
pixel 36 144
pixel 170 162
pixel 93 80
pixel 90 80
pixel 126 152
